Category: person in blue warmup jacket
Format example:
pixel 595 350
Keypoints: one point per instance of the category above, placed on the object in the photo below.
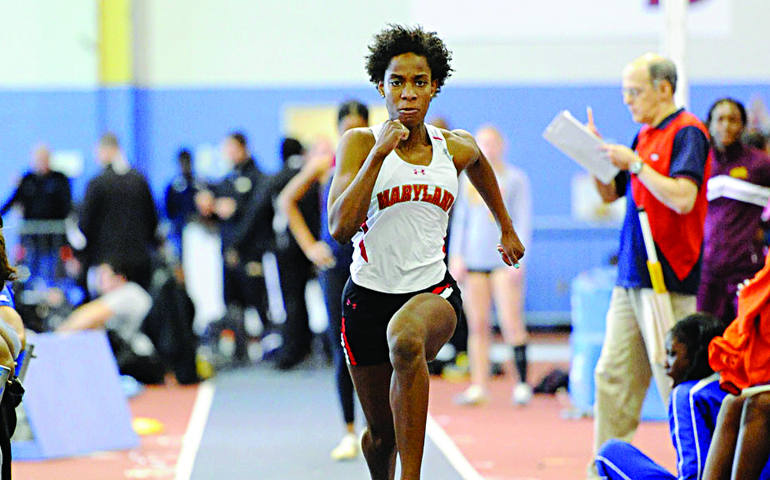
pixel 692 411
pixel 11 326
pixel 12 342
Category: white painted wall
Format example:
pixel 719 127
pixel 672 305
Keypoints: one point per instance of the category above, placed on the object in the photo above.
pixel 48 43
pixel 262 42
pixel 295 42
pixel 52 43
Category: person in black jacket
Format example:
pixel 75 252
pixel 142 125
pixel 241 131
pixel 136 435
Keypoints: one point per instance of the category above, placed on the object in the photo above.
pixel 246 235
pixel 180 199
pixel 42 194
pixel 260 224
pixel 118 216
pixel 294 268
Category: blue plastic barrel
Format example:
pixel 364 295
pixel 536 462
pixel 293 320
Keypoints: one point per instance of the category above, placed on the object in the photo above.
pixel 590 298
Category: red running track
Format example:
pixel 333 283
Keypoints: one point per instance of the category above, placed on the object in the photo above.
pixel 505 442
pixel 155 458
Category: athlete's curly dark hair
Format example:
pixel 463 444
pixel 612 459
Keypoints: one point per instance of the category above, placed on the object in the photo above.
pixel 398 39
pixel 7 272
pixel 696 331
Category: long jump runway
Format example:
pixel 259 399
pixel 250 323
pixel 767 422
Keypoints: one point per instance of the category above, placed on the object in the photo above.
pixel 282 425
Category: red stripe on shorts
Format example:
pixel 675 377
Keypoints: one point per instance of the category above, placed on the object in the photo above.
pixel 351 358
pixel 440 289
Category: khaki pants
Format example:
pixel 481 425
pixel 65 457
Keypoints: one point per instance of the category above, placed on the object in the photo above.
pixel 624 370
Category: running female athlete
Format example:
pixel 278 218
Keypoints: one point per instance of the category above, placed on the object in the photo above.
pixel 391 194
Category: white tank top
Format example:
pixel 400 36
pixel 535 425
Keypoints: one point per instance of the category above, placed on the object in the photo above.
pixel 400 246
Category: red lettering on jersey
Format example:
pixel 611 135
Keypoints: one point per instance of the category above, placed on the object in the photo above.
pixel 436 200
pixel 416 192
pixel 383 199
pixel 395 195
pixel 425 196
pixel 406 193
pixel 447 201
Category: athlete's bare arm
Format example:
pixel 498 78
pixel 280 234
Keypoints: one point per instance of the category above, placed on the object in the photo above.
pixel 468 156
pixel 288 201
pixel 13 320
pixel 91 316
pixel 359 159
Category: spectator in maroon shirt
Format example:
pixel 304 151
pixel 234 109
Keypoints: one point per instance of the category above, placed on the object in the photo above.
pixel 733 234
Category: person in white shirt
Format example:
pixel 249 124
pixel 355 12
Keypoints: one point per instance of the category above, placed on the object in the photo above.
pixel 120 309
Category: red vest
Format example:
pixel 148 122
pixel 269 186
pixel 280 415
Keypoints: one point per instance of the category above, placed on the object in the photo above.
pixel 679 237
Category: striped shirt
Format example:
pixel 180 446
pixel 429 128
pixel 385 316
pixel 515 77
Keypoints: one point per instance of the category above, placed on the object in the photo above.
pixel 692 416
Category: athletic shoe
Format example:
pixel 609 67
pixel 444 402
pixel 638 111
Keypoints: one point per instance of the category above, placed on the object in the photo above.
pixel 347 448
pixel 473 395
pixel 522 394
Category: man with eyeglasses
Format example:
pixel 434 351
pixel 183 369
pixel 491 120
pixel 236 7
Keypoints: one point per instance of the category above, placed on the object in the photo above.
pixel 665 171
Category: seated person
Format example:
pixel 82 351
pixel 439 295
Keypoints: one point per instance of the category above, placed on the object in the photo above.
pixel 741 450
pixel 120 309
pixel 12 342
pixel 12 338
pixel 742 356
pixel 692 411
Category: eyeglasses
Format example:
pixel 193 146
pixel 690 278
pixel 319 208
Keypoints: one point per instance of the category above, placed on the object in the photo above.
pixel 632 92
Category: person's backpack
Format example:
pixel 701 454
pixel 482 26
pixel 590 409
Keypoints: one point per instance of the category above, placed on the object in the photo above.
pixel 169 326
pixel 552 382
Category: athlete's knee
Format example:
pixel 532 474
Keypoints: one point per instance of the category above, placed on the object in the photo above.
pixel 406 342
pixel 612 453
pixel 614 448
pixel 732 407
pixel 378 440
pixel 758 405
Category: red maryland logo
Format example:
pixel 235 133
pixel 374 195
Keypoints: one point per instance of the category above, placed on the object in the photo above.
pixel 416 193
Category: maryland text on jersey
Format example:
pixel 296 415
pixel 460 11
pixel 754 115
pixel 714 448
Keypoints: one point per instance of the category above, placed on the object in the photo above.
pixel 416 193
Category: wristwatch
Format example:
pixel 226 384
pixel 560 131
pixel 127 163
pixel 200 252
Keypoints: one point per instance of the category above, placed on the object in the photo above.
pixel 636 167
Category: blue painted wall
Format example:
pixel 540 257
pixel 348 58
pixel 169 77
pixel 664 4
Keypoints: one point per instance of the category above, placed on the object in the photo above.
pixel 154 123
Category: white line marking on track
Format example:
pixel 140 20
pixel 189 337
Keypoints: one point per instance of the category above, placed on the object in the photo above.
pixel 192 437
pixel 450 451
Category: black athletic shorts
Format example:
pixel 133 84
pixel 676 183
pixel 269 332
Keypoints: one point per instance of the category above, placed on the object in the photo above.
pixel 366 314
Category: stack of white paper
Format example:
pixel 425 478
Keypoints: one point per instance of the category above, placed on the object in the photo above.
pixel 576 141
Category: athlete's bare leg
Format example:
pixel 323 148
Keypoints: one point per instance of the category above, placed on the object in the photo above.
pixel 478 298
pixel 753 449
pixel 415 334
pixel 722 450
pixel 508 291
pixel 378 442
